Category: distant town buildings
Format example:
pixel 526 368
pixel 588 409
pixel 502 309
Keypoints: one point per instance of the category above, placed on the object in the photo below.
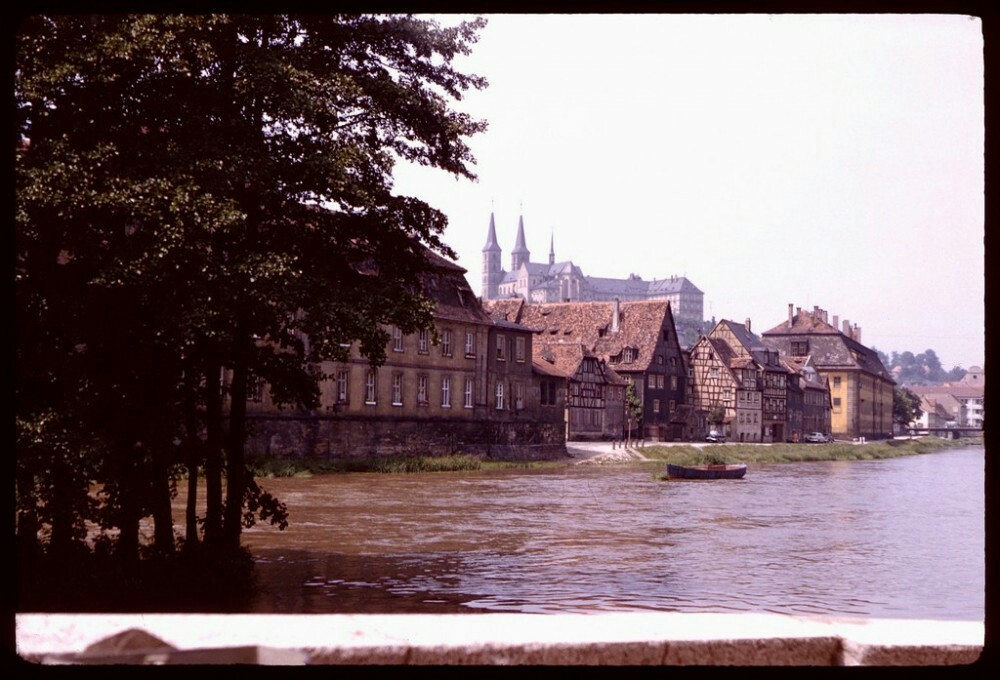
pixel 959 403
pixel 515 374
pixel 552 281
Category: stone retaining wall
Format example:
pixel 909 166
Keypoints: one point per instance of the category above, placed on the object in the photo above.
pixel 346 436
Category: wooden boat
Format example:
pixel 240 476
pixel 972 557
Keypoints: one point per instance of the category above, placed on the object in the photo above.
pixel 706 471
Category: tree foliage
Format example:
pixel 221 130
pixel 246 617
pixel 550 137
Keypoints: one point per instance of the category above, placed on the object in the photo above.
pixel 920 369
pixel 210 195
pixel 905 406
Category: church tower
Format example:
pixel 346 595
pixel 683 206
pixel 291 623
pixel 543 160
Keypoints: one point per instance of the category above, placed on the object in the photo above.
pixel 520 253
pixel 492 272
pixel 552 249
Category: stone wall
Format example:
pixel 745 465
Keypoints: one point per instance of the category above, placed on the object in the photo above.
pixel 316 436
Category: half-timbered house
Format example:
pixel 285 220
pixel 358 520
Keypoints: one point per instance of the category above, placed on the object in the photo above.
pixel 637 339
pixel 772 377
pixel 595 396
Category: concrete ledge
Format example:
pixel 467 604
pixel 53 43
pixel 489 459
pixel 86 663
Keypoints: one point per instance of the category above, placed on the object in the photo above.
pixel 494 639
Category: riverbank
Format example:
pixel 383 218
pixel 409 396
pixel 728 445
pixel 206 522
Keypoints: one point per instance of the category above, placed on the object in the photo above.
pixel 702 453
pixel 608 453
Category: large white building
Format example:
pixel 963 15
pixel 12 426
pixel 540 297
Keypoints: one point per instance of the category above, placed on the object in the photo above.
pixel 538 282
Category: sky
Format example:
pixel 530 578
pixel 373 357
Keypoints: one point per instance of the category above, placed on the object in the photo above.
pixel 819 160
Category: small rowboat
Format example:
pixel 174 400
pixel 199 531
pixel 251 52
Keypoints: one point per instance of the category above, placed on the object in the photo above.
pixel 706 471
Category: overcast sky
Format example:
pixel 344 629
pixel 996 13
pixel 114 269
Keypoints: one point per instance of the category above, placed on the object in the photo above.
pixel 830 160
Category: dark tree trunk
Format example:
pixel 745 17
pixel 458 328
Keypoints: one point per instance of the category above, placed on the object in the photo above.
pixel 129 510
pixel 213 455
pixel 235 458
pixel 192 445
pixel 27 517
pixel 163 519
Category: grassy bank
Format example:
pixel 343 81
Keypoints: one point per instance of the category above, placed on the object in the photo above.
pixel 680 455
pixel 388 464
pixel 794 453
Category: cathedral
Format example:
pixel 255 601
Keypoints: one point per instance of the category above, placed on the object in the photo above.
pixel 537 282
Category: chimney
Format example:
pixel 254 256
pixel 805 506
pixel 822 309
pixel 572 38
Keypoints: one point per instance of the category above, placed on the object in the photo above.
pixel 747 324
pixel 789 314
pixel 836 320
pixel 847 328
pixel 614 317
pixel 857 333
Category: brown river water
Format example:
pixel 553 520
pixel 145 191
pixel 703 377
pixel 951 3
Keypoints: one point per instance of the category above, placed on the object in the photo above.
pixel 899 538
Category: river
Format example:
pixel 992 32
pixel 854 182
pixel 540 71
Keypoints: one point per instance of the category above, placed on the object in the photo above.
pixel 897 538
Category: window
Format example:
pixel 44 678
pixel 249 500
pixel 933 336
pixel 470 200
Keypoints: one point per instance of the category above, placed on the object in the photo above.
pixel 499 397
pixel 422 390
pixel 673 382
pixel 518 397
pixel 446 342
pixel 673 361
pixel 397 389
pixel 519 348
pixel 468 393
pixel 659 359
pixel 836 404
pixel 422 341
pixel 713 372
pixel 370 387
pixel 548 393
pixel 836 381
pixel 800 347
pixel 656 406
pixel 446 392
pixel 672 405
pixel 470 344
pixel 341 387
pixel 501 348
pixel 628 355
pixel 397 339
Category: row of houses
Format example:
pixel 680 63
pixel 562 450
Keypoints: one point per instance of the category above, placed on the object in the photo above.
pixel 952 404
pixel 504 379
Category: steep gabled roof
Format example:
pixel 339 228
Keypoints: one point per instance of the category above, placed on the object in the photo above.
pixel 590 323
pixel 445 285
pixel 504 309
pixel 803 323
pixel 749 340
pixel 564 357
pixel 830 349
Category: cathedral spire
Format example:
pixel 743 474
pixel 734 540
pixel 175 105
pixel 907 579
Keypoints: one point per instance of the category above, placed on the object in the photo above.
pixel 491 236
pixel 552 248
pixel 520 253
pixel 492 271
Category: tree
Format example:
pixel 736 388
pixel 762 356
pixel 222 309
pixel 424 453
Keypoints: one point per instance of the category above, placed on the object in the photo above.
pixel 633 411
pixel 905 406
pixel 212 195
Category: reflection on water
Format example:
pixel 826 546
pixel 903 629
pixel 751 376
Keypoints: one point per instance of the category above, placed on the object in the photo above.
pixel 895 538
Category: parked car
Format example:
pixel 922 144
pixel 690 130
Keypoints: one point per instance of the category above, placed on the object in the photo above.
pixel 716 437
pixel 818 437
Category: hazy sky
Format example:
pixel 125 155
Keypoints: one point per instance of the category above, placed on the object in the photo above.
pixel 830 160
